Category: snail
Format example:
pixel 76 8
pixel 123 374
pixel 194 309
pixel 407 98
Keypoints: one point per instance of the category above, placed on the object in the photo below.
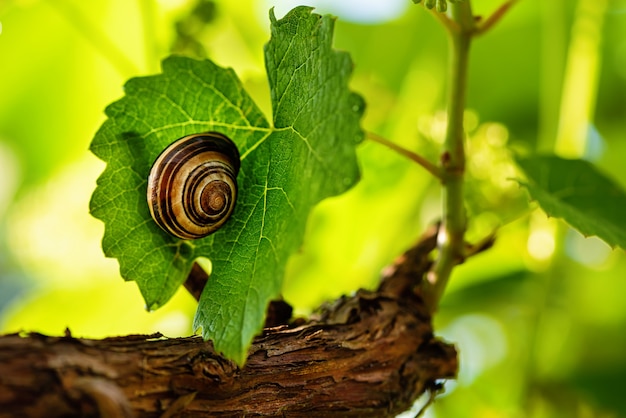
pixel 192 186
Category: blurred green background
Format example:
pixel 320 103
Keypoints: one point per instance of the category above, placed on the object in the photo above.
pixel 539 320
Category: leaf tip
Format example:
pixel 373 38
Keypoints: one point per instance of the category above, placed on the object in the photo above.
pixel 272 16
pixel 239 357
pixel 296 12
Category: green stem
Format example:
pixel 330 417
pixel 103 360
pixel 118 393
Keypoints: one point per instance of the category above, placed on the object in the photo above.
pixel 452 231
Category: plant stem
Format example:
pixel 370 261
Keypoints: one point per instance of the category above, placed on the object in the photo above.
pixel 427 165
pixel 452 230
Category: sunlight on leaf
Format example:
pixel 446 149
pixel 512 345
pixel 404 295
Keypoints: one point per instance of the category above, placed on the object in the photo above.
pixel 307 155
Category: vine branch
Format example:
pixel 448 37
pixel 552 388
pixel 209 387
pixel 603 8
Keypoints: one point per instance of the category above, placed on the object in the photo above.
pixel 371 354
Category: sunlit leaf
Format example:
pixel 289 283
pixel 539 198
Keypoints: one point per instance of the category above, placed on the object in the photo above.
pixel 577 192
pixel 287 167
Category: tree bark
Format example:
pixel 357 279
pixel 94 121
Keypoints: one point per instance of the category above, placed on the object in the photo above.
pixel 367 355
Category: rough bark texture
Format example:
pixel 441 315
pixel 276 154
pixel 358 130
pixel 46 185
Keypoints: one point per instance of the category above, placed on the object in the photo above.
pixel 368 355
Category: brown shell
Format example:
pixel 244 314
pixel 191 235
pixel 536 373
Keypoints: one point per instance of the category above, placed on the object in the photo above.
pixel 192 186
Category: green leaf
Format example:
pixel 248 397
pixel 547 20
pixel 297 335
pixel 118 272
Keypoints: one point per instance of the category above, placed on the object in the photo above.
pixel 306 155
pixel 577 192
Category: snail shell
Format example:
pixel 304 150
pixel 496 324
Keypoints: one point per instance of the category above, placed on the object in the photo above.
pixel 192 186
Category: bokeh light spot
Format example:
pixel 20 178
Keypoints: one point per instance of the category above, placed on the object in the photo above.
pixel 541 244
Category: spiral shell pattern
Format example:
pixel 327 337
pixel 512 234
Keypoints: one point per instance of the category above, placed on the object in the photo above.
pixel 192 186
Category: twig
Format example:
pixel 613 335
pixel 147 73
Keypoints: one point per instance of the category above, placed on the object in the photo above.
pixel 196 281
pixel 433 391
pixel 427 165
pixel 480 246
pixel 494 18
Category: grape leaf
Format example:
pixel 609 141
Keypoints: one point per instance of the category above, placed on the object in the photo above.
pixel 304 156
pixel 577 192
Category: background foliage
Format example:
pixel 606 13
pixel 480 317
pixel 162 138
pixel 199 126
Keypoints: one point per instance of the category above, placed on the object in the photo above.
pixel 539 319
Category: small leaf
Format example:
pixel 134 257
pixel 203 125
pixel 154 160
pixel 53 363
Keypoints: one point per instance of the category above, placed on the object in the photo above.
pixel 308 154
pixel 577 192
